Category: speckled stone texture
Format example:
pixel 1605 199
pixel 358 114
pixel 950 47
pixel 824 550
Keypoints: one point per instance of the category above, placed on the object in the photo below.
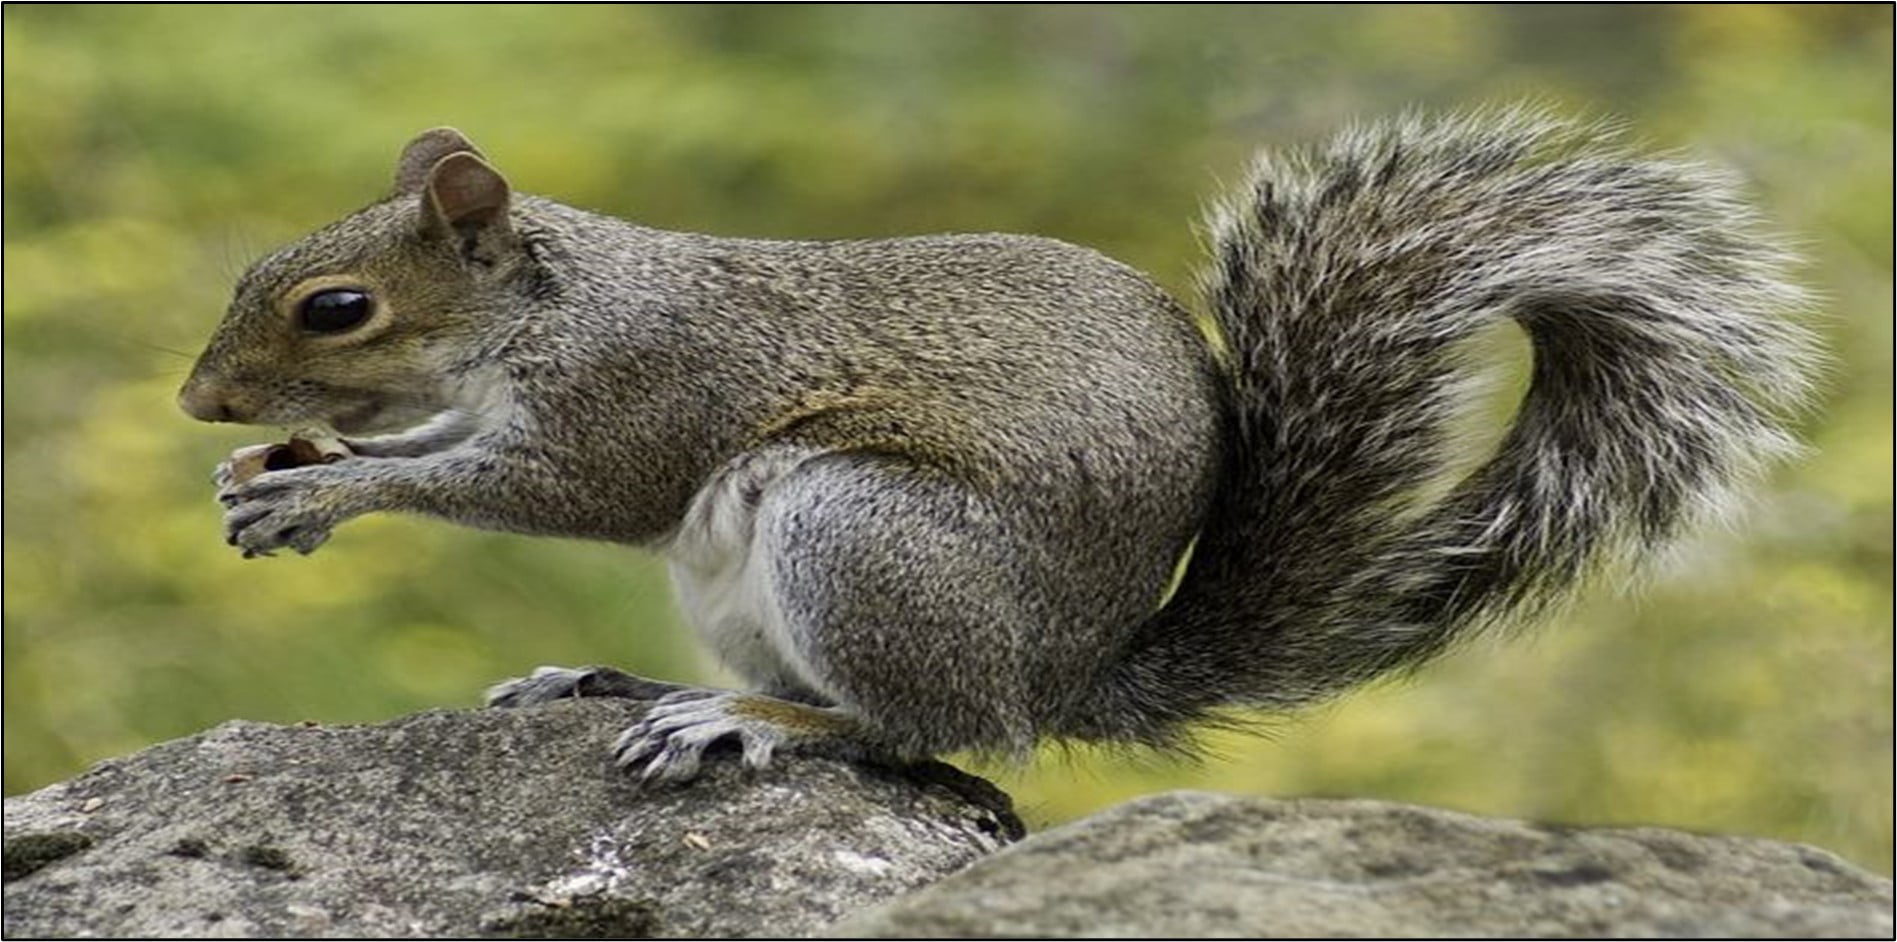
pixel 490 822
pixel 1200 865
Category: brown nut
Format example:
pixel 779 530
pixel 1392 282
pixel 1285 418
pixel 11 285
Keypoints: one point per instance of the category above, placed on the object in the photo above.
pixel 249 462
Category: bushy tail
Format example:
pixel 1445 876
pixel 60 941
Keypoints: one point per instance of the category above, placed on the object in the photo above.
pixel 1346 281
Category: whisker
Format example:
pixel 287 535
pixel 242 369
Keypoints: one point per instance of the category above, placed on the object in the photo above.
pixel 160 348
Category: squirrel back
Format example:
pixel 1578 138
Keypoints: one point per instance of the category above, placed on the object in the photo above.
pixel 1347 281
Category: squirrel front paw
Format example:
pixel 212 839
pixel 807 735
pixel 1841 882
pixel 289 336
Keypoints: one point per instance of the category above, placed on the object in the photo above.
pixel 294 509
pixel 547 684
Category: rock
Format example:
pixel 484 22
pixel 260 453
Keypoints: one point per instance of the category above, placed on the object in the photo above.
pixel 1187 865
pixel 512 823
pixel 494 822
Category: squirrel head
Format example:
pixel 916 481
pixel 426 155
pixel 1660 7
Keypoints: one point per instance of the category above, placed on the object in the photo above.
pixel 364 324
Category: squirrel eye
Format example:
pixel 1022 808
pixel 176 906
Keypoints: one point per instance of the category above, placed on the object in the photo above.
pixel 334 311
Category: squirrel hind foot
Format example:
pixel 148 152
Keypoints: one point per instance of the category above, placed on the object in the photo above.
pixel 670 742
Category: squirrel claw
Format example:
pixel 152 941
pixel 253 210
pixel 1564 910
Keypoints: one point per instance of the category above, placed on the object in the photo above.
pixel 669 742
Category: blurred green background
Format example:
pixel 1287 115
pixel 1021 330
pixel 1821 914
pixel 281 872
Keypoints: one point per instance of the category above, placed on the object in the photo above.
pixel 151 151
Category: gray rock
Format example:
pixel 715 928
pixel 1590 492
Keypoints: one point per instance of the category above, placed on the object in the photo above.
pixel 1187 864
pixel 498 822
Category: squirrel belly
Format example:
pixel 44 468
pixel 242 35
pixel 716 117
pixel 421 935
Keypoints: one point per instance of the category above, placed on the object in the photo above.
pixel 724 574
pixel 925 494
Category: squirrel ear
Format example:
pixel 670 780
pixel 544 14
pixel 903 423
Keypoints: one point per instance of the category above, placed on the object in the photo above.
pixel 426 150
pixel 462 194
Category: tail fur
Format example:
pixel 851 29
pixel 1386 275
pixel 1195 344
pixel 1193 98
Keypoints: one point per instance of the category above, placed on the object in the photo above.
pixel 1346 280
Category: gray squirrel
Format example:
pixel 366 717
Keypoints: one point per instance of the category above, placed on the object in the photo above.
pixel 929 494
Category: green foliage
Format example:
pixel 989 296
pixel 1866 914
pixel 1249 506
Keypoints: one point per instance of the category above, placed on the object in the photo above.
pixel 151 150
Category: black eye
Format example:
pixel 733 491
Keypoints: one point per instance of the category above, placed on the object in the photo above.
pixel 331 312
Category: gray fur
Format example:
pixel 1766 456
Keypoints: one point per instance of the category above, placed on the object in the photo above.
pixel 1346 279
pixel 986 453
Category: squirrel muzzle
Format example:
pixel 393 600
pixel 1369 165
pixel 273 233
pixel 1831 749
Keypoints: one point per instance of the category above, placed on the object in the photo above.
pixel 209 401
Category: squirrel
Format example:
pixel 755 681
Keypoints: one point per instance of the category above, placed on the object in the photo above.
pixel 931 494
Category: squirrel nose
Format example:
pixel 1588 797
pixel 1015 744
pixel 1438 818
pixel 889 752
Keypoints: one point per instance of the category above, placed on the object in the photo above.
pixel 205 402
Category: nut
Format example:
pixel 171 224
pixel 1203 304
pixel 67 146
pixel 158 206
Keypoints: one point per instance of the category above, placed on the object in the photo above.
pixel 298 452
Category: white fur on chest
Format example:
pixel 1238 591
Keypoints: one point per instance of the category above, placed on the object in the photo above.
pixel 724 574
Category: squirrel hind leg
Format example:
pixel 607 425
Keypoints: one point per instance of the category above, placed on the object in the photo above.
pixel 562 683
pixel 909 601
